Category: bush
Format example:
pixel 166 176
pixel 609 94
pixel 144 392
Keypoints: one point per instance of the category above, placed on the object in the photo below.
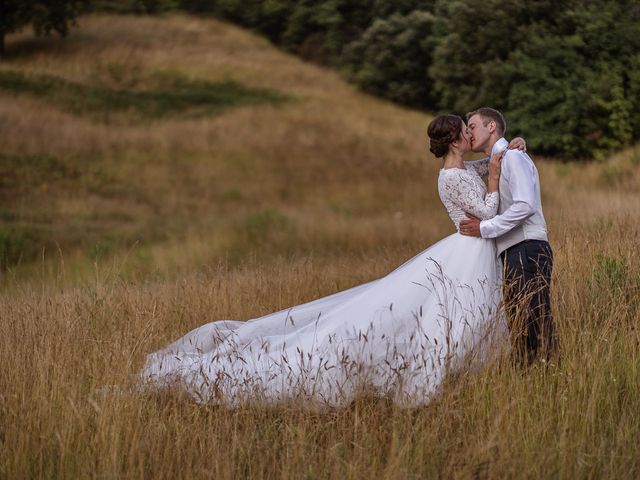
pixel 614 283
pixel 44 16
pixel 544 102
pixel 566 75
pixel 392 57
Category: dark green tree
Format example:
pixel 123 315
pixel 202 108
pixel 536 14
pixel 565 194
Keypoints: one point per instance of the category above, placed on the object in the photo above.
pixel 392 58
pixel 46 16
pixel 14 14
pixel 475 40
pixel 576 95
pixel 564 72
pixel 320 31
pixel 545 101
pixel 633 93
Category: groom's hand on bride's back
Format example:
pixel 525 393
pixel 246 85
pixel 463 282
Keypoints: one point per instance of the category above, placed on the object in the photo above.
pixel 470 226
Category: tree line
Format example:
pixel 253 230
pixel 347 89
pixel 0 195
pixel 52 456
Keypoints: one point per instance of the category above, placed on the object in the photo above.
pixel 566 73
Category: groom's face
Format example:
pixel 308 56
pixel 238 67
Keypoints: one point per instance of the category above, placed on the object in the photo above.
pixel 479 131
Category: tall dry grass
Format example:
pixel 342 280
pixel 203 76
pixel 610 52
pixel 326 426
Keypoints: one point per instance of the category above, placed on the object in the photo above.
pixel 257 209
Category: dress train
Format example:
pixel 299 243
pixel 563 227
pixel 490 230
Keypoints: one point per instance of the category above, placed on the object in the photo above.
pixel 396 336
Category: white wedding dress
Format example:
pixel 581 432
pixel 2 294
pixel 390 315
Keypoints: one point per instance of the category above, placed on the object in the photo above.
pixel 397 336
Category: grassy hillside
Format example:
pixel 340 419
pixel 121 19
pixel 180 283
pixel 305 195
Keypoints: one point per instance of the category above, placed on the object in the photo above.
pixel 312 167
pixel 159 173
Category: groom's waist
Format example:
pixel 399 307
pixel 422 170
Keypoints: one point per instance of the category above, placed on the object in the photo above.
pixel 520 234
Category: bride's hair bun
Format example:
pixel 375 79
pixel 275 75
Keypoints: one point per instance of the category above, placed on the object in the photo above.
pixel 442 131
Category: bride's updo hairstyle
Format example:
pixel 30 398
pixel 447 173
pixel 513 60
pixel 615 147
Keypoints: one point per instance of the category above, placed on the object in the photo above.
pixel 442 131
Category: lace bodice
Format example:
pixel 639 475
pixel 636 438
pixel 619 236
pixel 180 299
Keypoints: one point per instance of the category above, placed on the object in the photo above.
pixel 462 190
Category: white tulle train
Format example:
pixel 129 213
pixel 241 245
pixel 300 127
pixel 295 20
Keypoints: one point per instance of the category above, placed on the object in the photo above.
pixel 397 336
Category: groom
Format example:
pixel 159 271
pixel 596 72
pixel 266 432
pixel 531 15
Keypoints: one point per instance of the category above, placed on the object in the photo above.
pixel 521 238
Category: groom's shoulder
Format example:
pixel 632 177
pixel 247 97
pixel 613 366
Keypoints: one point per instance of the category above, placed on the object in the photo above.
pixel 512 156
pixel 516 154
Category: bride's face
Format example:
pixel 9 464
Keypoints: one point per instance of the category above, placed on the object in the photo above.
pixel 479 133
pixel 464 142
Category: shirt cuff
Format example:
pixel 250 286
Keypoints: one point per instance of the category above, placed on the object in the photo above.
pixel 485 229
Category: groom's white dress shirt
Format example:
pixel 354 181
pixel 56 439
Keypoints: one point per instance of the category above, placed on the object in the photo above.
pixel 520 214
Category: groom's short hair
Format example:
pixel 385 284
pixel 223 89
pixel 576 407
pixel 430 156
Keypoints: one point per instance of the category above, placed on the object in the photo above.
pixel 489 114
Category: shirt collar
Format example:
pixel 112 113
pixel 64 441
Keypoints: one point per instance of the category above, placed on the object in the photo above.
pixel 499 146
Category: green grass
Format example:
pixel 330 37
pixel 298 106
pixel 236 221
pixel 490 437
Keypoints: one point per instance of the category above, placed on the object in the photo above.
pixel 170 94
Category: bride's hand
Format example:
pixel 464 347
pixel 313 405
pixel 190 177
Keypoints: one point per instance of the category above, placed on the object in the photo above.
pixel 518 143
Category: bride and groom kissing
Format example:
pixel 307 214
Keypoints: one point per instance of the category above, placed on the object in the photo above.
pixel 519 230
pixel 451 306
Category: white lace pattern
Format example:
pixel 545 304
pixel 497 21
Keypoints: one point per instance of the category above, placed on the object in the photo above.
pixel 463 191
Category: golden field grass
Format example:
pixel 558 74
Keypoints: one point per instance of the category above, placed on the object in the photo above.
pixel 143 228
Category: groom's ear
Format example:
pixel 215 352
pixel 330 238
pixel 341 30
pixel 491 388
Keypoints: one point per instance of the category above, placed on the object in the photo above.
pixel 492 126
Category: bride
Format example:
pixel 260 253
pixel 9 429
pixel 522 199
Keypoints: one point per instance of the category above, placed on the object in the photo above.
pixel 396 336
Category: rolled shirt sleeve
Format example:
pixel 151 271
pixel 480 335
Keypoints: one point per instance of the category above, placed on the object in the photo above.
pixel 521 177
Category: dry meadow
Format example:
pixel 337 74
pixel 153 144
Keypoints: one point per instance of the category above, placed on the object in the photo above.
pixel 140 222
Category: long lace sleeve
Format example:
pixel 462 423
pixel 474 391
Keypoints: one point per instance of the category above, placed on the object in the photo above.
pixel 480 166
pixel 469 195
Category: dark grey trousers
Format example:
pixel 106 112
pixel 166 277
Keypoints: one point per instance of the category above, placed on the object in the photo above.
pixel 527 298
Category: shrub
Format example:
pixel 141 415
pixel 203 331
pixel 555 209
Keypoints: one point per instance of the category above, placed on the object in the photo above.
pixel 391 58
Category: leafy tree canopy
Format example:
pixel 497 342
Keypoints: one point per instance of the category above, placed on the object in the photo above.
pixel 46 16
